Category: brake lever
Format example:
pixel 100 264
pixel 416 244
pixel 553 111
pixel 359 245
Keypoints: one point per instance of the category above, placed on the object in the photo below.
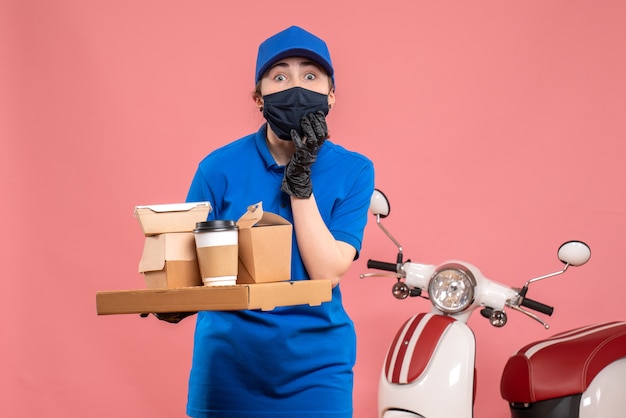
pixel 529 314
pixel 364 275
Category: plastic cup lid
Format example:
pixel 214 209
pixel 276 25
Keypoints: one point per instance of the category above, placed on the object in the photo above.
pixel 214 226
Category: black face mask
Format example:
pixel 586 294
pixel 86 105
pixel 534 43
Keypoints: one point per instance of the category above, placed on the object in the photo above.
pixel 283 110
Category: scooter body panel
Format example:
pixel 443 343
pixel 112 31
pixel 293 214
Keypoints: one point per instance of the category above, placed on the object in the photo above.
pixel 605 396
pixel 434 381
pixel 401 414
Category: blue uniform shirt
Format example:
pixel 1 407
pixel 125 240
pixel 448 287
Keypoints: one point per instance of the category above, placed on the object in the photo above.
pixel 292 361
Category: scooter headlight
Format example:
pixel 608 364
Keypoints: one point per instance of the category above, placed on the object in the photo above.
pixel 451 289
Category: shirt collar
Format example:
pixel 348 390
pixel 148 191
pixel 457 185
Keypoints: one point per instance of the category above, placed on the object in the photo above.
pixel 261 144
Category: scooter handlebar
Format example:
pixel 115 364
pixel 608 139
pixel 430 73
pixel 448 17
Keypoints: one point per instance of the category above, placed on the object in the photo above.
pixel 537 306
pixel 382 265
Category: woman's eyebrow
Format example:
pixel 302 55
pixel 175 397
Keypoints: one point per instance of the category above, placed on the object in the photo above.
pixel 310 64
pixel 280 64
pixel 283 64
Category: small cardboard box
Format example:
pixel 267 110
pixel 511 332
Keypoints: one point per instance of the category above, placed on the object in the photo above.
pixel 264 247
pixel 174 217
pixel 264 296
pixel 169 261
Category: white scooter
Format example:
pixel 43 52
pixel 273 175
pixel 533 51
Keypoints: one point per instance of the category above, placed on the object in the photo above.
pixel 429 368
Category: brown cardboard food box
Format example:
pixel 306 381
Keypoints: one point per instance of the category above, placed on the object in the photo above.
pixel 169 261
pixel 175 217
pixel 264 247
pixel 169 257
pixel 264 296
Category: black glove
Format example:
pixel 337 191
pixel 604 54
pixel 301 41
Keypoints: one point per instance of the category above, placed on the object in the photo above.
pixel 297 179
pixel 171 317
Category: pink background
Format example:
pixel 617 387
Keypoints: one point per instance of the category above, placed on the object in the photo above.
pixel 497 129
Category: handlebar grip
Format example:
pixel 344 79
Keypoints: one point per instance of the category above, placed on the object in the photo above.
pixel 382 265
pixel 538 306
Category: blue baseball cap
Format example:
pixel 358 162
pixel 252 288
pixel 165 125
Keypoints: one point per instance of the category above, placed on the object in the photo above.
pixel 292 42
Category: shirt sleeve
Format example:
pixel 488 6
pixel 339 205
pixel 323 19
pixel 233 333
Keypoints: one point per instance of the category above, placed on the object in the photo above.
pixel 350 214
pixel 199 191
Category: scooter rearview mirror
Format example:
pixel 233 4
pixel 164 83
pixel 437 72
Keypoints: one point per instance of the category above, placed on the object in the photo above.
pixel 574 253
pixel 379 207
pixel 379 204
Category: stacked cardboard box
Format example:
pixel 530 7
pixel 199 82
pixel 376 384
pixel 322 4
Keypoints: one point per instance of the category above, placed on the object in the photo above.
pixel 264 247
pixel 264 296
pixel 169 258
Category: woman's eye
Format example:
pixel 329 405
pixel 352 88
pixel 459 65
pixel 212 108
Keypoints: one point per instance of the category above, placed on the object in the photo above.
pixel 310 76
pixel 280 77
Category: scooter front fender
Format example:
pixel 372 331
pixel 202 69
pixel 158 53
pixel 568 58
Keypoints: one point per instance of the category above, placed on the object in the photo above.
pixel 429 369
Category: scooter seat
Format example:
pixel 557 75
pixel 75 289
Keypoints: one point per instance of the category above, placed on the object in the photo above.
pixel 562 365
